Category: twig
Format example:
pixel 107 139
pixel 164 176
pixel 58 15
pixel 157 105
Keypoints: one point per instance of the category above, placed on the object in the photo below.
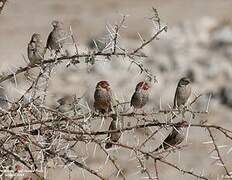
pixel 181 170
pixel 146 140
pixel 65 157
pixel 218 153
pixel 112 160
pixel 156 169
pixel 148 41
pixel 117 28
pixel 159 159
pixel 20 70
pixel 144 169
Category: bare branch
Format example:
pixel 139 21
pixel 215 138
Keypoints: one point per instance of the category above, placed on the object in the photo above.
pixel 218 153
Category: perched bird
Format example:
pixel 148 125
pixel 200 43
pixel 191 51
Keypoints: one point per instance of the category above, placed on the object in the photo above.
pixel 140 96
pixel 66 104
pixel 57 37
pixel 69 50
pixel 183 91
pixel 115 124
pixel 176 136
pixel 36 49
pixel 103 97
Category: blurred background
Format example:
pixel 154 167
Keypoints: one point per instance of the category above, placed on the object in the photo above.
pixel 198 44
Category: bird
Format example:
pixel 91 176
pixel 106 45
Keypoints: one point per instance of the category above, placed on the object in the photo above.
pixel 36 49
pixel 115 124
pixel 57 37
pixel 67 107
pixel 103 97
pixel 66 104
pixel 176 136
pixel 183 92
pixel 141 95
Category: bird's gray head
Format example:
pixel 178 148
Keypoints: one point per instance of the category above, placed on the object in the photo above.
pixel 66 100
pixel 184 81
pixel 57 24
pixel 36 38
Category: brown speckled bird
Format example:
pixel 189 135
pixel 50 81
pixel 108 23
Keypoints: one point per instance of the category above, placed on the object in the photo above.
pixel 115 124
pixel 103 97
pixel 176 136
pixel 140 96
pixel 57 37
pixel 183 91
pixel 36 49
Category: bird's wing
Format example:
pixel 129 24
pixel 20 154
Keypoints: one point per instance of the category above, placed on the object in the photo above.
pixel 134 99
pixel 31 46
pixel 171 137
pixel 168 142
pixel 49 40
pixel 175 99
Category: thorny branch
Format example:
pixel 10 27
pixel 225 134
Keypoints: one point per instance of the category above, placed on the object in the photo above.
pixel 156 169
pixel 30 139
pixel 117 28
pixel 142 166
pixel 149 41
pixel 147 154
pixel 218 153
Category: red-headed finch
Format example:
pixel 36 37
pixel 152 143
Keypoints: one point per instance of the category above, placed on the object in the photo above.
pixel 103 97
pixel 115 124
pixel 176 136
pixel 140 96
pixel 183 91
pixel 36 49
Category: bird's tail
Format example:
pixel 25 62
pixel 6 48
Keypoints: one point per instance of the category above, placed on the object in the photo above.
pixel 108 145
pixel 163 145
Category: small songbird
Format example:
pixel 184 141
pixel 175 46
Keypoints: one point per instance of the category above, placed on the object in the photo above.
pixel 36 49
pixel 183 91
pixel 103 97
pixel 176 136
pixel 57 37
pixel 115 124
pixel 66 104
pixel 140 96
